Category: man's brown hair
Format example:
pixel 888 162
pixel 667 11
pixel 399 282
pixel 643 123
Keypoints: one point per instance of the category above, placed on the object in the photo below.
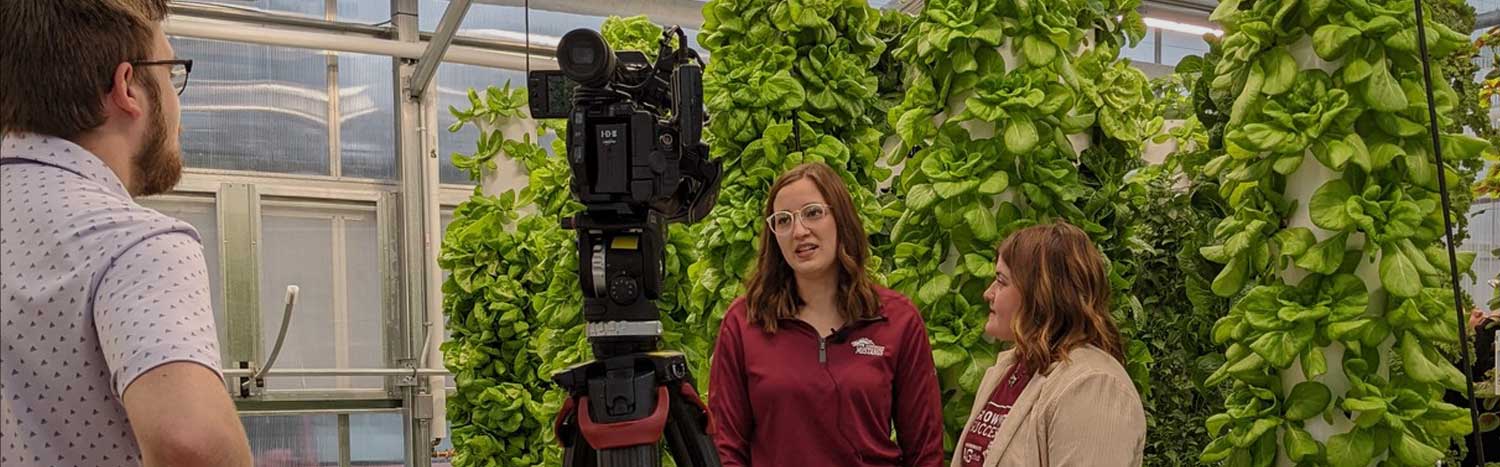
pixel 772 290
pixel 60 57
pixel 1065 295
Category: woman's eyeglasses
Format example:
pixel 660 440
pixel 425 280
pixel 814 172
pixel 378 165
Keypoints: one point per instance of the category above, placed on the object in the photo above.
pixel 781 221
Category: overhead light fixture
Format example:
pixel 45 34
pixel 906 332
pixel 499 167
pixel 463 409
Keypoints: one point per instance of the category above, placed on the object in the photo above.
pixel 1181 27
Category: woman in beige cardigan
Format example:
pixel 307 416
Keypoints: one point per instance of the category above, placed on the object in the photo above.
pixel 1060 396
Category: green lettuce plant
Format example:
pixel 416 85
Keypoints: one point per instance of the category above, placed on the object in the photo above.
pixel 1360 277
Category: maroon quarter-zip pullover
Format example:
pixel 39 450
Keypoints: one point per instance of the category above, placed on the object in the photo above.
pixel 794 398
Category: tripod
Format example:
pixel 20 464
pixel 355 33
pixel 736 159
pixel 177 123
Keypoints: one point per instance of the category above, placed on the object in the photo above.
pixel 622 404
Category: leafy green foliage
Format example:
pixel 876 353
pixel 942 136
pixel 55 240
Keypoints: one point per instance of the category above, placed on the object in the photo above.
pixel 1173 286
pixel 633 33
pixel 512 312
pixel 1295 287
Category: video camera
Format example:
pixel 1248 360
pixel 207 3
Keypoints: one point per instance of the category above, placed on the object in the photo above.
pixel 634 146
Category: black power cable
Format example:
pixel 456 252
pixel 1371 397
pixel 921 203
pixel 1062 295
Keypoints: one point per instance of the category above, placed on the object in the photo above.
pixel 526 16
pixel 1437 150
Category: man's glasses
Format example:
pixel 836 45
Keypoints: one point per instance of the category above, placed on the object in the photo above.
pixel 180 71
pixel 781 221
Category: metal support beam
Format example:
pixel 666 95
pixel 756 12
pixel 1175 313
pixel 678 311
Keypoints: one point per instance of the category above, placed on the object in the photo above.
pixel 338 42
pixel 416 151
pixel 239 234
pixel 344 444
pixel 427 65
pixel 288 372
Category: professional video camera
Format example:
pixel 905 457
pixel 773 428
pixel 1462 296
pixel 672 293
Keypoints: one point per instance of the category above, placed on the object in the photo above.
pixel 634 145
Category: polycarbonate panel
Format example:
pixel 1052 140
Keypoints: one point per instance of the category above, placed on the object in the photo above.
pixel 1484 228
pixel 354 11
pixel 364 297
pixel 376 439
pixel 298 251
pixel 255 107
pixel 293 440
pixel 1143 52
pixel 485 20
pixel 367 117
pixel 1176 45
pixel 364 11
pixel 332 256
pixel 302 7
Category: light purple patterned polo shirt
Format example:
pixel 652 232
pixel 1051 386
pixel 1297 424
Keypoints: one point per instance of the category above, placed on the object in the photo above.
pixel 94 291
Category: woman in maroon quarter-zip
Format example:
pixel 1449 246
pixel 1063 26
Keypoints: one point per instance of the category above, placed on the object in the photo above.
pixel 816 364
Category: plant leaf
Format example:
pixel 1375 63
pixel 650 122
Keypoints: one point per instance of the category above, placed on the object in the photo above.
pixel 1327 205
pixel 1397 273
pixel 1307 400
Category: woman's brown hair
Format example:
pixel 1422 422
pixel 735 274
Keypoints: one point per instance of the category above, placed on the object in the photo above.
pixel 772 293
pixel 1065 295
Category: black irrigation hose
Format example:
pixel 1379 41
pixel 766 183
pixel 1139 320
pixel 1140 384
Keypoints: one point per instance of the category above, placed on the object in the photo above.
pixel 1437 150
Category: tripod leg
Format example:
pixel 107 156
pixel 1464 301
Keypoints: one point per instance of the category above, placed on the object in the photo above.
pixel 687 431
pixel 576 450
pixel 634 456
pixel 578 454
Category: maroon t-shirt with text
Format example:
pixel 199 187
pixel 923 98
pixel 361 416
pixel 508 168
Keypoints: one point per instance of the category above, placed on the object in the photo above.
pixel 986 424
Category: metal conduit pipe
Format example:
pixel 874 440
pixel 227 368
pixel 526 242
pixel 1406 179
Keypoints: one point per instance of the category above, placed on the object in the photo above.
pixel 219 30
pixel 275 372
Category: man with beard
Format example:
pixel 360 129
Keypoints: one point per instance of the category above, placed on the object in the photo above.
pixel 108 353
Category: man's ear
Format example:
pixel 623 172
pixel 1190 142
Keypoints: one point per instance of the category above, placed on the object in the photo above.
pixel 120 95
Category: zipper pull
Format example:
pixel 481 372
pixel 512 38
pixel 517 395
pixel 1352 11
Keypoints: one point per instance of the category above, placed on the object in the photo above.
pixel 822 350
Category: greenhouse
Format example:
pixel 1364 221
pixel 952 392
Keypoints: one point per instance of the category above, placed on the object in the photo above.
pixel 750 232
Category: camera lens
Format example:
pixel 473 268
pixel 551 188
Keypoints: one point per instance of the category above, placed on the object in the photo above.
pixel 586 58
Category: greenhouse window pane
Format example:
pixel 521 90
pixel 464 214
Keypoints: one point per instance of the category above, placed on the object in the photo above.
pixel 255 107
pixel 331 254
pixel 484 18
pixel 1176 45
pixel 1143 52
pixel 496 21
pixel 312 8
pixel 1484 238
pixel 364 11
pixel 376 439
pixel 357 11
pixel 367 117
pixel 364 296
pixel 301 440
